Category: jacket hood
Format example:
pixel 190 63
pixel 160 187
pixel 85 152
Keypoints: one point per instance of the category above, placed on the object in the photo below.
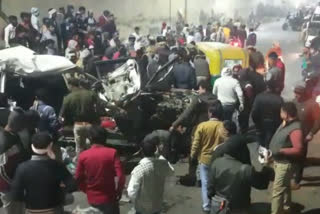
pixel 226 72
pixel 35 11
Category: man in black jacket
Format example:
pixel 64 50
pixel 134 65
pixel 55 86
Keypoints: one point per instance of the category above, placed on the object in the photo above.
pixel 266 113
pixel 184 74
pixel 230 180
pixel 197 111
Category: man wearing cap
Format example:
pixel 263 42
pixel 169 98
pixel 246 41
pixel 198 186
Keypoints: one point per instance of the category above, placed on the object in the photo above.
pixel 308 114
pixel 229 92
pixel 275 72
pixel 37 182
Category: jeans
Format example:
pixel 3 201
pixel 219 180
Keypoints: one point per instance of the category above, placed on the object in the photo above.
pixel 11 207
pixel 204 176
pixel 281 191
pixel 266 132
pixel 228 111
pixel 81 134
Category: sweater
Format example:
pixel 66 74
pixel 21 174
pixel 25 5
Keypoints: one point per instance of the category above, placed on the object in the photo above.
pixel 228 89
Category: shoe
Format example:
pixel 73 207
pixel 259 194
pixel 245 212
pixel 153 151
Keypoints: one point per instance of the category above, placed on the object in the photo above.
pixel 295 186
pixel 205 212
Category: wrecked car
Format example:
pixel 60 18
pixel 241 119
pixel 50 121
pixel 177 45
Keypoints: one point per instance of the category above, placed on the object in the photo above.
pixel 136 110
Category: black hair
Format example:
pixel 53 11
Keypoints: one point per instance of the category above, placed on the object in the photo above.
pixel 149 147
pixel 82 8
pixel 12 18
pixel 251 30
pixel 24 14
pixel 32 118
pixel 273 55
pixel 41 140
pixel 16 119
pixel 3 100
pixel 230 126
pixel 97 135
pixel 290 108
pixel 106 13
pixel 205 84
pixel 216 110
pixel 41 94
pixel 74 82
pixel 137 28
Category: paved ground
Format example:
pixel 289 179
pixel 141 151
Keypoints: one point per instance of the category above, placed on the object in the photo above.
pixel 187 200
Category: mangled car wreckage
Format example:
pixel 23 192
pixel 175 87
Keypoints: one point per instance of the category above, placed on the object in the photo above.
pixel 136 110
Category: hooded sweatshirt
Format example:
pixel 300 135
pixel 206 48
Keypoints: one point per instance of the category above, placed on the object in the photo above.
pixel 34 18
pixel 228 89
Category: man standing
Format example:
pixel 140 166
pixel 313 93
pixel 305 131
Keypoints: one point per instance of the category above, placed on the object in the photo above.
pixel 97 170
pixel 266 114
pixel 207 136
pixel 252 38
pixel 229 92
pixel 12 153
pixel 276 71
pixel 287 148
pixel 146 186
pixel 10 31
pixel 198 107
pixel 79 109
pixel 232 176
pixel 308 114
pixel 184 74
pixel 42 194
pixel 35 13
pixel 202 68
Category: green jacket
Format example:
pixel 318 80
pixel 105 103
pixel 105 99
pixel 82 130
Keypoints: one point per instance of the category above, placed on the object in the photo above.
pixel 80 106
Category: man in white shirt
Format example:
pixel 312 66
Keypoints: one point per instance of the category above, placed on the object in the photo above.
pixel 146 186
pixel 136 33
pixel 229 92
pixel 35 13
pixel 10 31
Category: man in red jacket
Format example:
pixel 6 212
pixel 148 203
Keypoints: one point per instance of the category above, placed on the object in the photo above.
pixel 96 172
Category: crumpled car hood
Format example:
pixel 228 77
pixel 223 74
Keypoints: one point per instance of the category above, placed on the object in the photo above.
pixel 122 82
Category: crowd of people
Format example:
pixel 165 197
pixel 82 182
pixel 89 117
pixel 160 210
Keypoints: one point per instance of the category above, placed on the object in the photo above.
pixel 33 178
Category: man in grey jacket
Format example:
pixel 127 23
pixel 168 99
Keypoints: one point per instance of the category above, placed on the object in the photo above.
pixel 229 92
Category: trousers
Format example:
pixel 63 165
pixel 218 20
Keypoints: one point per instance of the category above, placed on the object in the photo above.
pixel 204 176
pixel 11 207
pixel 281 191
pixel 81 134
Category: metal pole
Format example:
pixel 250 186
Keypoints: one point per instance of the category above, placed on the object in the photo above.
pixel 186 11
pixel 170 11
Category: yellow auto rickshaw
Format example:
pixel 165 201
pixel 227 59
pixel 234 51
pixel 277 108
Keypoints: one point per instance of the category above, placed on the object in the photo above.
pixel 222 55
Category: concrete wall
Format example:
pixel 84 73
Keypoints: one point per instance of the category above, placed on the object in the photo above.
pixel 121 8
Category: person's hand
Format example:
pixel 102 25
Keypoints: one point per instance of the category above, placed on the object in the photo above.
pixel 309 137
pixel 171 129
pixel 241 108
